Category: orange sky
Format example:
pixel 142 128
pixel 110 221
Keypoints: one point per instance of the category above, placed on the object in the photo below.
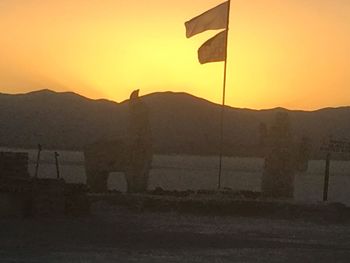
pixel 290 53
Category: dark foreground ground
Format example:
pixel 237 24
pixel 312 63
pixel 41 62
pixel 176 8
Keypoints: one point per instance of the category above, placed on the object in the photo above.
pixel 113 234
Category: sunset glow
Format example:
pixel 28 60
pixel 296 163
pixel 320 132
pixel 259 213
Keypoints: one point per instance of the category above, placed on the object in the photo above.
pixel 291 53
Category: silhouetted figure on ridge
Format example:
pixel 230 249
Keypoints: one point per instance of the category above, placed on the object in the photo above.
pixel 131 154
pixel 139 144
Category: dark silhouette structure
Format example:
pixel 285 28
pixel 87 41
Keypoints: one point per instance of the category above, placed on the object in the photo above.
pixel 283 158
pixel 13 165
pixel 21 195
pixel 131 155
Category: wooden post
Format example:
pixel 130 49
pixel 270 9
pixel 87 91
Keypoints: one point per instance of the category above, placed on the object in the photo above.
pixel 326 177
pixel 57 166
pixel 38 161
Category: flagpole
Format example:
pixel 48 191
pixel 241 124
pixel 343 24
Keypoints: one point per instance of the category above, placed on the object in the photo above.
pixel 223 99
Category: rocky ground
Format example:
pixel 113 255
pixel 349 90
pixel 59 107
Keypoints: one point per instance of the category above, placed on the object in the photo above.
pixel 113 234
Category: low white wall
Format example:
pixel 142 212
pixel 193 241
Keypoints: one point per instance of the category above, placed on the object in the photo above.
pixel 181 172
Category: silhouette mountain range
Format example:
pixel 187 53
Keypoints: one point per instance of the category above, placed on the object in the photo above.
pixel 181 123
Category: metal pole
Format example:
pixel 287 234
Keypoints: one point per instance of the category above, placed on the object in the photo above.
pixel 326 177
pixel 57 166
pixel 37 161
pixel 223 99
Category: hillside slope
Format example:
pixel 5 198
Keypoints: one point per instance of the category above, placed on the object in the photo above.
pixel 181 123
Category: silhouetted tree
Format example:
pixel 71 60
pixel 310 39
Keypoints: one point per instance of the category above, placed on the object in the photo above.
pixel 303 154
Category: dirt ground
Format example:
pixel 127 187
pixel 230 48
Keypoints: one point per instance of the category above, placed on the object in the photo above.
pixel 113 234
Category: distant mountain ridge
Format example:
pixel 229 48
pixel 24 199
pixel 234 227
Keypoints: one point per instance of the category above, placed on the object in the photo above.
pixel 181 123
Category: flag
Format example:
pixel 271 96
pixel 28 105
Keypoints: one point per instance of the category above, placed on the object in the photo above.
pixel 213 50
pixel 215 18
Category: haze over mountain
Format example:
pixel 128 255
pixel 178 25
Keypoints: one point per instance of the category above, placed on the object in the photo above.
pixel 181 123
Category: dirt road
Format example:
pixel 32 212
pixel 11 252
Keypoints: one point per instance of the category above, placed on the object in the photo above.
pixel 117 235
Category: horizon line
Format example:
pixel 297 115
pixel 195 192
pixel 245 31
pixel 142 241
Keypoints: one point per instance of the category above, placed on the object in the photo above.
pixel 174 92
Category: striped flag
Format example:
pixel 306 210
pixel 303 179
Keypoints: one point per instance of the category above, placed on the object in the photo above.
pixel 215 18
pixel 213 50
